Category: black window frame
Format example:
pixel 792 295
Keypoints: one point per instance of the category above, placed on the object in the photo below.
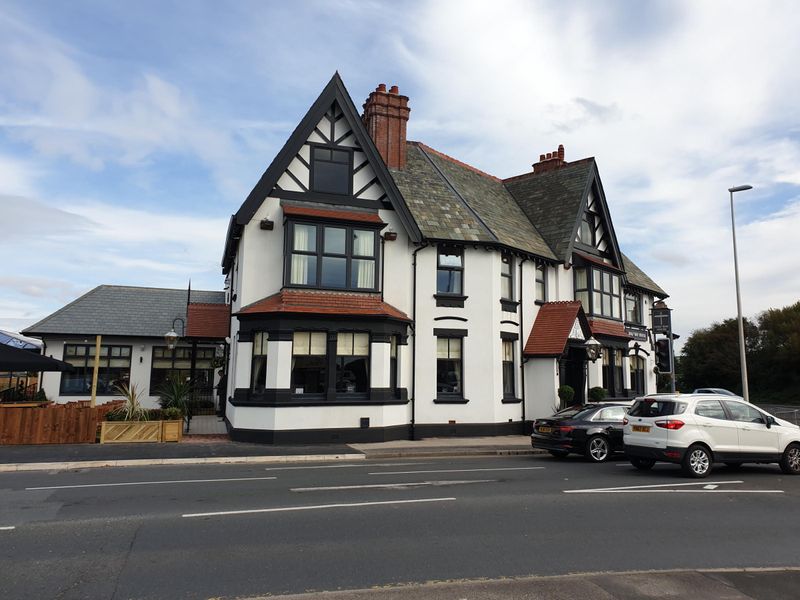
pixel 450 397
pixel 319 253
pixel 508 370
pixel 637 299
pixel 87 367
pixel 312 167
pixel 257 358
pixel 450 251
pixel 613 371
pixel 638 377
pixel 341 359
pixel 591 291
pixel 540 268
pixel 324 369
pixel 173 358
pixel 506 258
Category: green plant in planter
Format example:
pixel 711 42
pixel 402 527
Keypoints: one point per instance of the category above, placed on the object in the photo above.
pixel 40 397
pixel 566 393
pixel 597 394
pixel 131 409
pixel 175 393
pixel 173 413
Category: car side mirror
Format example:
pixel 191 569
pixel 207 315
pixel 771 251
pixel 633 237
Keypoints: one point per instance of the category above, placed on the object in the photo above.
pixel 769 422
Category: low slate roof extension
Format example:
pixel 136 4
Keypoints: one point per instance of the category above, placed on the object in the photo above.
pixel 124 311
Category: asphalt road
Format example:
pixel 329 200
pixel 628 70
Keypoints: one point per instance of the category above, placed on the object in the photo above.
pixel 236 530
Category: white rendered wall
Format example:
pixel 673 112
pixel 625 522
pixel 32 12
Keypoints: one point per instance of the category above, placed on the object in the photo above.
pixel 541 383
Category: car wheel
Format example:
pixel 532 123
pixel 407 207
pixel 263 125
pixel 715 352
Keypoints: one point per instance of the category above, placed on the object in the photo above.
pixel 598 449
pixel 643 464
pixel 697 462
pixel 558 453
pixel 790 461
pixel 733 465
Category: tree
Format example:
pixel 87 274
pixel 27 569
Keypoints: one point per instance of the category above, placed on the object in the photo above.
pixel 776 365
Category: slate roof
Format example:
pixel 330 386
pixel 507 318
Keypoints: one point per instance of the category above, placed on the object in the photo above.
pixel 639 278
pixel 324 303
pixel 552 201
pixel 122 310
pixel 551 329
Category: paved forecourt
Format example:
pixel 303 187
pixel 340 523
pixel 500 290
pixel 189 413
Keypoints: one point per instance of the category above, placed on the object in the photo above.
pixel 238 530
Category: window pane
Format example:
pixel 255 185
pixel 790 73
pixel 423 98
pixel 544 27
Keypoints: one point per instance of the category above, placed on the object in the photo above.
pixel 583 297
pixel 508 379
pixel 449 259
pixel 596 280
pixel 334 272
pixel 361 344
pixel 352 374
pixel 393 350
pixel 505 287
pixel 508 350
pixel 333 178
pixel 305 238
pixel 448 376
pixel 615 307
pixel 259 371
pixel 363 274
pixel 455 347
pixel 448 282
pixel 308 374
pixel 580 281
pixel 335 240
pixel 344 344
pixel 322 153
pixel 606 304
pixel 586 233
pixel 505 265
pixel 441 348
pixel 597 305
pixel 615 282
pixel 300 343
pixel 606 282
pixel 540 295
pixel 363 243
pixel 340 156
pixel 319 343
pixel 304 270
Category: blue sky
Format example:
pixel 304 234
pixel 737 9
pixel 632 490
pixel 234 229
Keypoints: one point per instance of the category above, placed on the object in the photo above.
pixel 129 132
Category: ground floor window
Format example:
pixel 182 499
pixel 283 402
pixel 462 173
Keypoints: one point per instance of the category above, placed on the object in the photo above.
pixel 637 374
pixel 508 369
pixel 114 369
pixel 449 367
pixel 309 362
pixel 177 363
pixel 612 371
pixel 393 376
pixel 18 386
pixel 352 362
pixel 259 368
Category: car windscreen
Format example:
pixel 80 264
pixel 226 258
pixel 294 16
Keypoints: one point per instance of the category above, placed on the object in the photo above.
pixel 656 408
pixel 576 412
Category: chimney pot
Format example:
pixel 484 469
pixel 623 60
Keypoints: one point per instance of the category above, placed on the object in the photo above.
pixel 381 87
pixel 385 117
pixel 549 155
pixel 541 157
pixel 561 152
pixel 394 90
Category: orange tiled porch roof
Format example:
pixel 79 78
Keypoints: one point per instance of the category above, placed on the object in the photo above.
pixel 324 303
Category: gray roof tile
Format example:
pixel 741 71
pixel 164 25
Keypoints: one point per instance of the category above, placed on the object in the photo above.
pixel 122 310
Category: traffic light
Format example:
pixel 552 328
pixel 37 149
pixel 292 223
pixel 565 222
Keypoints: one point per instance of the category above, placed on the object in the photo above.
pixel 663 356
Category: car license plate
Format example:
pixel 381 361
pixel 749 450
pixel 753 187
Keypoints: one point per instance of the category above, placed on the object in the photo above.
pixel 642 428
pixel 545 430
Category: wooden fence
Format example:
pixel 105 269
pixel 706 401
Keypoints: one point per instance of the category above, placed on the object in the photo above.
pixel 71 423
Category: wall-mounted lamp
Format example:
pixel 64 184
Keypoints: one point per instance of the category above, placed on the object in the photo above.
pixel 390 236
pixel 267 225
pixel 594 349
pixel 171 337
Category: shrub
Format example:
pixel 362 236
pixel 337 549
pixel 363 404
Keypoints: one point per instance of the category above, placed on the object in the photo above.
pixel 566 394
pixel 174 393
pixel 40 397
pixel 597 394
pixel 172 413
pixel 131 409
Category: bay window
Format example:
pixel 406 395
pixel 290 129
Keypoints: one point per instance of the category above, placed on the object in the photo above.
pixel 352 362
pixel 599 291
pixel 309 362
pixel 331 257
pixel 259 366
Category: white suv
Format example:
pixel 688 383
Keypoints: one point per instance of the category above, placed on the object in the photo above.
pixel 696 430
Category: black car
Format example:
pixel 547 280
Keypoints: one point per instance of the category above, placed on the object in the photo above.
pixel 594 430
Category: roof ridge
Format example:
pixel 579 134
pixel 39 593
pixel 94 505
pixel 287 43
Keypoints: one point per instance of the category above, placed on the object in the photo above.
pixel 532 174
pixel 456 161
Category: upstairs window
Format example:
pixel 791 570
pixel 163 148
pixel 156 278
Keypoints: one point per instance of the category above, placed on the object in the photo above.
pixel 507 277
pixel 599 291
pixel 633 308
pixel 330 170
pixel 449 271
pixel 541 283
pixel 332 257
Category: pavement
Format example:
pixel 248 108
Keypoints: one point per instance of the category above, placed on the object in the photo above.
pixel 197 449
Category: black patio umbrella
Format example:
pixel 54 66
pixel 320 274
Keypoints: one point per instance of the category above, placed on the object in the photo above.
pixel 15 359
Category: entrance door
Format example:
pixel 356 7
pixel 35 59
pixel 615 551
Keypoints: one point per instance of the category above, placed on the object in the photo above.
pixel 572 372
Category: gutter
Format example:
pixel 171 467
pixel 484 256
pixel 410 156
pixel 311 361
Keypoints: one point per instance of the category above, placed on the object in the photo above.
pixel 522 337
pixel 414 340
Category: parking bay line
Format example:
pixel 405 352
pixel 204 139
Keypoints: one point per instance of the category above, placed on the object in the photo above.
pixel 126 483
pixel 313 507
pixel 456 470
pixel 663 488
pixel 392 486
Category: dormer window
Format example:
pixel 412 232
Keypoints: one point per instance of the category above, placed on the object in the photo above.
pixel 331 170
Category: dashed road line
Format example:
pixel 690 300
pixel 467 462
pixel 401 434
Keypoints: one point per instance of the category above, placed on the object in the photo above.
pixel 360 465
pixel 314 507
pixel 8 528
pixel 126 483
pixel 392 486
pixel 455 470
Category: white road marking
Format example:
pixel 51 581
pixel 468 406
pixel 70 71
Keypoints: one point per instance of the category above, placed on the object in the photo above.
pixel 9 528
pixel 360 465
pixel 456 471
pixel 95 485
pixel 392 486
pixel 315 507
pixel 708 488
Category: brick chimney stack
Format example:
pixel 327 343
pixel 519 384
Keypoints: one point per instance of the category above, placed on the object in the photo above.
pixel 550 161
pixel 385 117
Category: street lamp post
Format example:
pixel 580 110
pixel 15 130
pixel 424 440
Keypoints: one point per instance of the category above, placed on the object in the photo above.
pixel 742 357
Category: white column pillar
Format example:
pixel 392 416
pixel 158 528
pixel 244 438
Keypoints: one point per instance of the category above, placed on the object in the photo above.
pixel 279 364
pixel 244 360
pixel 380 362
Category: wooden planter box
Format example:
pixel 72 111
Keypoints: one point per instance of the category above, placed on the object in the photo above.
pixel 113 432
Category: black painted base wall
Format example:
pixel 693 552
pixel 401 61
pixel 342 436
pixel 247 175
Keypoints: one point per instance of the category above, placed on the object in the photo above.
pixel 371 434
